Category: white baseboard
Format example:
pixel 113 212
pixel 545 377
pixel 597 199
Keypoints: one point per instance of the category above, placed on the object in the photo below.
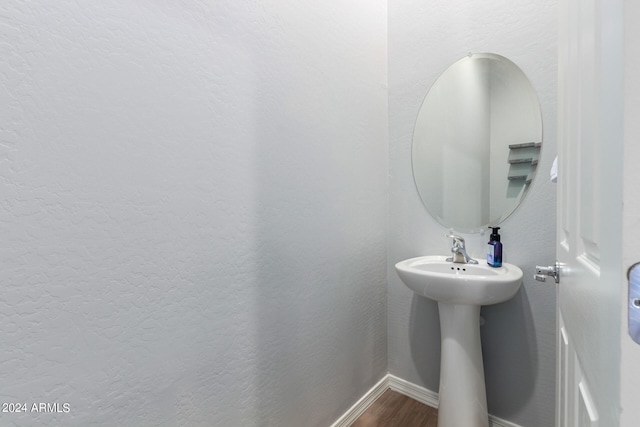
pixel 411 390
pixel 414 391
pixel 361 405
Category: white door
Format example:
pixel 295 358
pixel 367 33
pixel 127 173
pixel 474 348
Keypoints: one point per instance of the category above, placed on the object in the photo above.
pixel 630 366
pixel 589 213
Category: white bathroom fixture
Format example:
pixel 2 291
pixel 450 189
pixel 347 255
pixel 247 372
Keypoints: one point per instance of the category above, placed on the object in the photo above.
pixel 459 283
pixel 460 290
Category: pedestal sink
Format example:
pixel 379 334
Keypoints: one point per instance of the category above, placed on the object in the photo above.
pixel 460 290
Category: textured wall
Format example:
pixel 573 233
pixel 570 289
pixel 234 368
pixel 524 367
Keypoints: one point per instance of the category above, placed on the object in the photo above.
pixel 193 210
pixel 519 335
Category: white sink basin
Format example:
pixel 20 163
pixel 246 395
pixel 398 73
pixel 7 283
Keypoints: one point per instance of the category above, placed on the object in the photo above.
pixel 476 284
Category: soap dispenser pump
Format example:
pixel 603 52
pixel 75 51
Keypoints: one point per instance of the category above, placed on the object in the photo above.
pixel 494 248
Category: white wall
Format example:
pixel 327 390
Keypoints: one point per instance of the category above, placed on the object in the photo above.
pixel 519 336
pixel 193 210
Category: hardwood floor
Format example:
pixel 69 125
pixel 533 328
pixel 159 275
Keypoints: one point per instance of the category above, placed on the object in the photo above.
pixel 393 409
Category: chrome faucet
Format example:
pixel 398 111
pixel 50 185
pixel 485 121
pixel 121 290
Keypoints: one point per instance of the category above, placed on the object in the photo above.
pixel 459 251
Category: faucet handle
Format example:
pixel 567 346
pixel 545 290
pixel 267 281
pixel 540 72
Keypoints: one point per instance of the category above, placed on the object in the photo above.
pixel 457 240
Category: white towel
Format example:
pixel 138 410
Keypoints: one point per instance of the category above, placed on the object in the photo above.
pixel 554 170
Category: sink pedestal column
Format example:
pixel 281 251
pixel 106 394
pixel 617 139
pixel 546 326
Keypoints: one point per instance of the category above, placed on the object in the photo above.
pixel 463 398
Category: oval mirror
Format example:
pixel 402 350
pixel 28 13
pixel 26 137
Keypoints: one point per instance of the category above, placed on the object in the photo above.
pixel 476 142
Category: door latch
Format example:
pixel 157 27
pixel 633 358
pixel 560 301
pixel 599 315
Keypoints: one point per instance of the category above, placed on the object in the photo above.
pixel 634 302
pixel 543 272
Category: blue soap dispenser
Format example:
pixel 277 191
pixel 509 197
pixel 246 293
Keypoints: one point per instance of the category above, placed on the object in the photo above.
pixel 494 249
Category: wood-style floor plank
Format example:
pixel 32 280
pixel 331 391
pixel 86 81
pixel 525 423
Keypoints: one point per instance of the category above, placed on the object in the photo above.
pixel 393 409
